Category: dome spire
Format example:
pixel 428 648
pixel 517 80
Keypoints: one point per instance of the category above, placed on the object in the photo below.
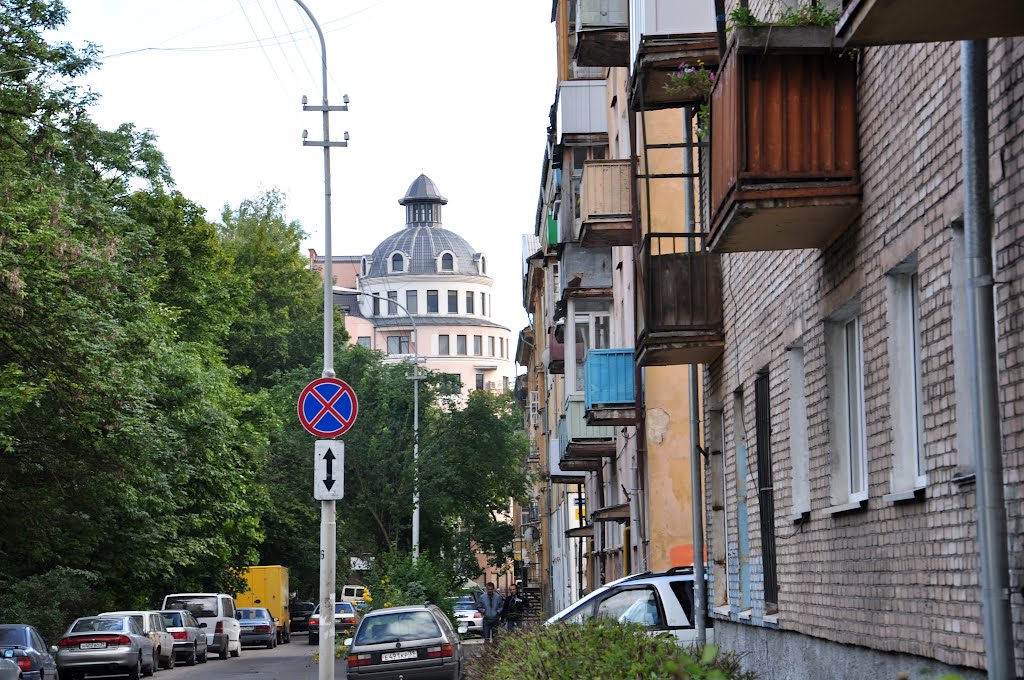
pixel 422 203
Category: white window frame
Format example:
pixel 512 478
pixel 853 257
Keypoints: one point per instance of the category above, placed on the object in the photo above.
pixel 906 402
pixel 391 263
pixel 799 445
pixel 455 261
pixel 845 348
pixel 572 369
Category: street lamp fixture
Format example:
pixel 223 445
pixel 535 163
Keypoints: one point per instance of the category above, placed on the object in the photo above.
pixel 415 377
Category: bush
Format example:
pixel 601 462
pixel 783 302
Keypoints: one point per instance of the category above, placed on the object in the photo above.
pixel 606 649
pixel 51 601
pixel 397 580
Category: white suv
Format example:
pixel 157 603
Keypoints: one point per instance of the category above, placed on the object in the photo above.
pixel 217 611
pixel 662 602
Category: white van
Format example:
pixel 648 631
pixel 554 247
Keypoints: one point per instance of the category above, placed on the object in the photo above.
pixel 216 615
pixel 352 593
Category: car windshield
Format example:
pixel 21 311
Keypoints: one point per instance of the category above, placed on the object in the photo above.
pixel 397 627
pixel 343 608
pixel 13 637
pixel 172 619
pixel 96 625
pixel 198 605
pixel 252 614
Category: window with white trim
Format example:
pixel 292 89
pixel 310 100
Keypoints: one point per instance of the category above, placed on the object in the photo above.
pixel 397 262
pixel 443 347
pixel 447 262
pixel 591 330
pixel 364 341
pixel 398 344
pixel 392 302
pixel 412 302
pixel 799 446
pixel 905 397
pixel 844 347
pixel 469 301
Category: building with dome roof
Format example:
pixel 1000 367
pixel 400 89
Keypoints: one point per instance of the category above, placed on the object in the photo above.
pixel 437 278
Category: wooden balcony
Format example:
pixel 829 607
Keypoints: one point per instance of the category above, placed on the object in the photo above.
pixel 783 159
pixel 553 355
pixel 679 301
pixel 602 32
pixel 662 34
pixel 610 387
pixel 606 204
pixel 883 22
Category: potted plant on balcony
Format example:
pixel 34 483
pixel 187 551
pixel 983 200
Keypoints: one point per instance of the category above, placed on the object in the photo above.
pixel 797 29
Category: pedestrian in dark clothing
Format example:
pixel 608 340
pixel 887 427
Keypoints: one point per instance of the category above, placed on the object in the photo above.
pixel 490 605
pixel 515 608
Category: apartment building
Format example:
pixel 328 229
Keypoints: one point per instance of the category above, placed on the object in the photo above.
pixel 808 255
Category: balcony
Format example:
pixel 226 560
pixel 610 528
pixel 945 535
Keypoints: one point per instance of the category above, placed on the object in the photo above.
pixel 582 111
pixel 663 33
pixel 553 356
pixel 883 22
pixel 558 472
pixel 584 272
pixel 610 387
pixel 783 160
pixel 606 204
pixel 679 301
pixel 583 443
pixel 602 32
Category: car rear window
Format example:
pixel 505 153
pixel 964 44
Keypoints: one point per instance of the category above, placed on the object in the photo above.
pixel 199 606
pixel 344 608
pixel 12 637
pixel 397 627
pixel 95 625
pixel 464 606
pixel 302 607
pixel 250 614
pixel 172 619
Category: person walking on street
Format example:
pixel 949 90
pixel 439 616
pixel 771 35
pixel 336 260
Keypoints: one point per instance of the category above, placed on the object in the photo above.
pixel 490 605
pixel 515 608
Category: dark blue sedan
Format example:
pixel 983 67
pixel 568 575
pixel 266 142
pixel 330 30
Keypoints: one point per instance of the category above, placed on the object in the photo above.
pixel 23 645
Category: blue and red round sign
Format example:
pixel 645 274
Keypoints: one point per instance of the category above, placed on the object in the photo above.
pixel 327 407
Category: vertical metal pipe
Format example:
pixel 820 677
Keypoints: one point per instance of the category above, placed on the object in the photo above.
pixel 697 497
pixel 984 430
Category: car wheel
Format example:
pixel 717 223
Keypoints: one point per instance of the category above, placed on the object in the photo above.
pixel 224 651
pixel 205 656
pixel 314 640
pixel 192 658
pixel 237 651
pixel 287 636
pixel 271 643
pixel 136 672
pixel 169 662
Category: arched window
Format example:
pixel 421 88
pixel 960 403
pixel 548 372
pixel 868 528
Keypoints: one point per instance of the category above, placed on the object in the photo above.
pixel 483 265
pixel 364 266
pixel 447 262
pixel 397 263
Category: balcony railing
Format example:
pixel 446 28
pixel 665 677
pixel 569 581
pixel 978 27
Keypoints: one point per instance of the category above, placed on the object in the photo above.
pixel 602 32
pixel 610 387
pixel 783 145
pixel 583 441
pixel 560 474
pixel 881 22
pixel 679 301
pixel 663 33
pixel 606 204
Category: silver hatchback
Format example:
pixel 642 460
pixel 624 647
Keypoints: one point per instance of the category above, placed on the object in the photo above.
pixel 105 644
pixel 189 635
pixel 406 642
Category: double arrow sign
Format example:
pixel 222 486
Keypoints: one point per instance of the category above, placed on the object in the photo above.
pixel 329 470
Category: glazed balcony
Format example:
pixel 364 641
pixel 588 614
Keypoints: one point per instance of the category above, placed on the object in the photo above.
pixel 679 301
pixel 582 111
pixel 602 32
pixel 662 34
pixel 610 387
pixel 606 204
pixel 783 159
pixel 553 356
pixel 883 22
pixel 581 442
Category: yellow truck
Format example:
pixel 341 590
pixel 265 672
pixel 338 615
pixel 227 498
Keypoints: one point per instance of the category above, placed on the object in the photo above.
pixel 268 587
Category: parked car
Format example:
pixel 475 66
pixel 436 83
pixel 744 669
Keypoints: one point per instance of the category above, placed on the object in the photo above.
pixel 661 601
pixel 189 635
pixel 345 619
pixel 217 611
pixel 9 670
pixel 258 627
pixel 23 645
pixel 152 624
pixel 300 612
pixel 103 645
pixel 416 641
pixel 468 615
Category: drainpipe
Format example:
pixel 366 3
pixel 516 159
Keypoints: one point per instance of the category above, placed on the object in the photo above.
pixel 984 430
pixel 699 585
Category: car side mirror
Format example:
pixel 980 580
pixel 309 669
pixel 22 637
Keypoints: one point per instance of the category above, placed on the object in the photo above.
pixel 238 616
pixel 463 629
pixel 348 642
pixel 53 649
pixel 202 625
pixel 8 653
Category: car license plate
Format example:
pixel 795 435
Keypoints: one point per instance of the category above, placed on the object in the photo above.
pixel 92 645
pixel 397 656
pixel 248 629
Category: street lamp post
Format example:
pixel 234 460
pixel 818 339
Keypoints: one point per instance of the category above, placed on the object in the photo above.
pixel 415 377
pixel 328 509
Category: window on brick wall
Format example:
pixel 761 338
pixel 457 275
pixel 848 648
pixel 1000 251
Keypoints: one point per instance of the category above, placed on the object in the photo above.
pixel 905 402
pixel 765 490
pixel 799 448
pixel 718 538
pixel 844 348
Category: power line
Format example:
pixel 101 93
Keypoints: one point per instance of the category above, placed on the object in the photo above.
pixel 265 54
pixel 287 26
pixel 287 60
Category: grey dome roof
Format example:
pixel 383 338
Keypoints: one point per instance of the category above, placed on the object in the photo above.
pixel 423 189
pixel 423 245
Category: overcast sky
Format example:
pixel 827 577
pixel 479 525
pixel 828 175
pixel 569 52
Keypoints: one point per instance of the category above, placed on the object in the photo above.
pixel 457 89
